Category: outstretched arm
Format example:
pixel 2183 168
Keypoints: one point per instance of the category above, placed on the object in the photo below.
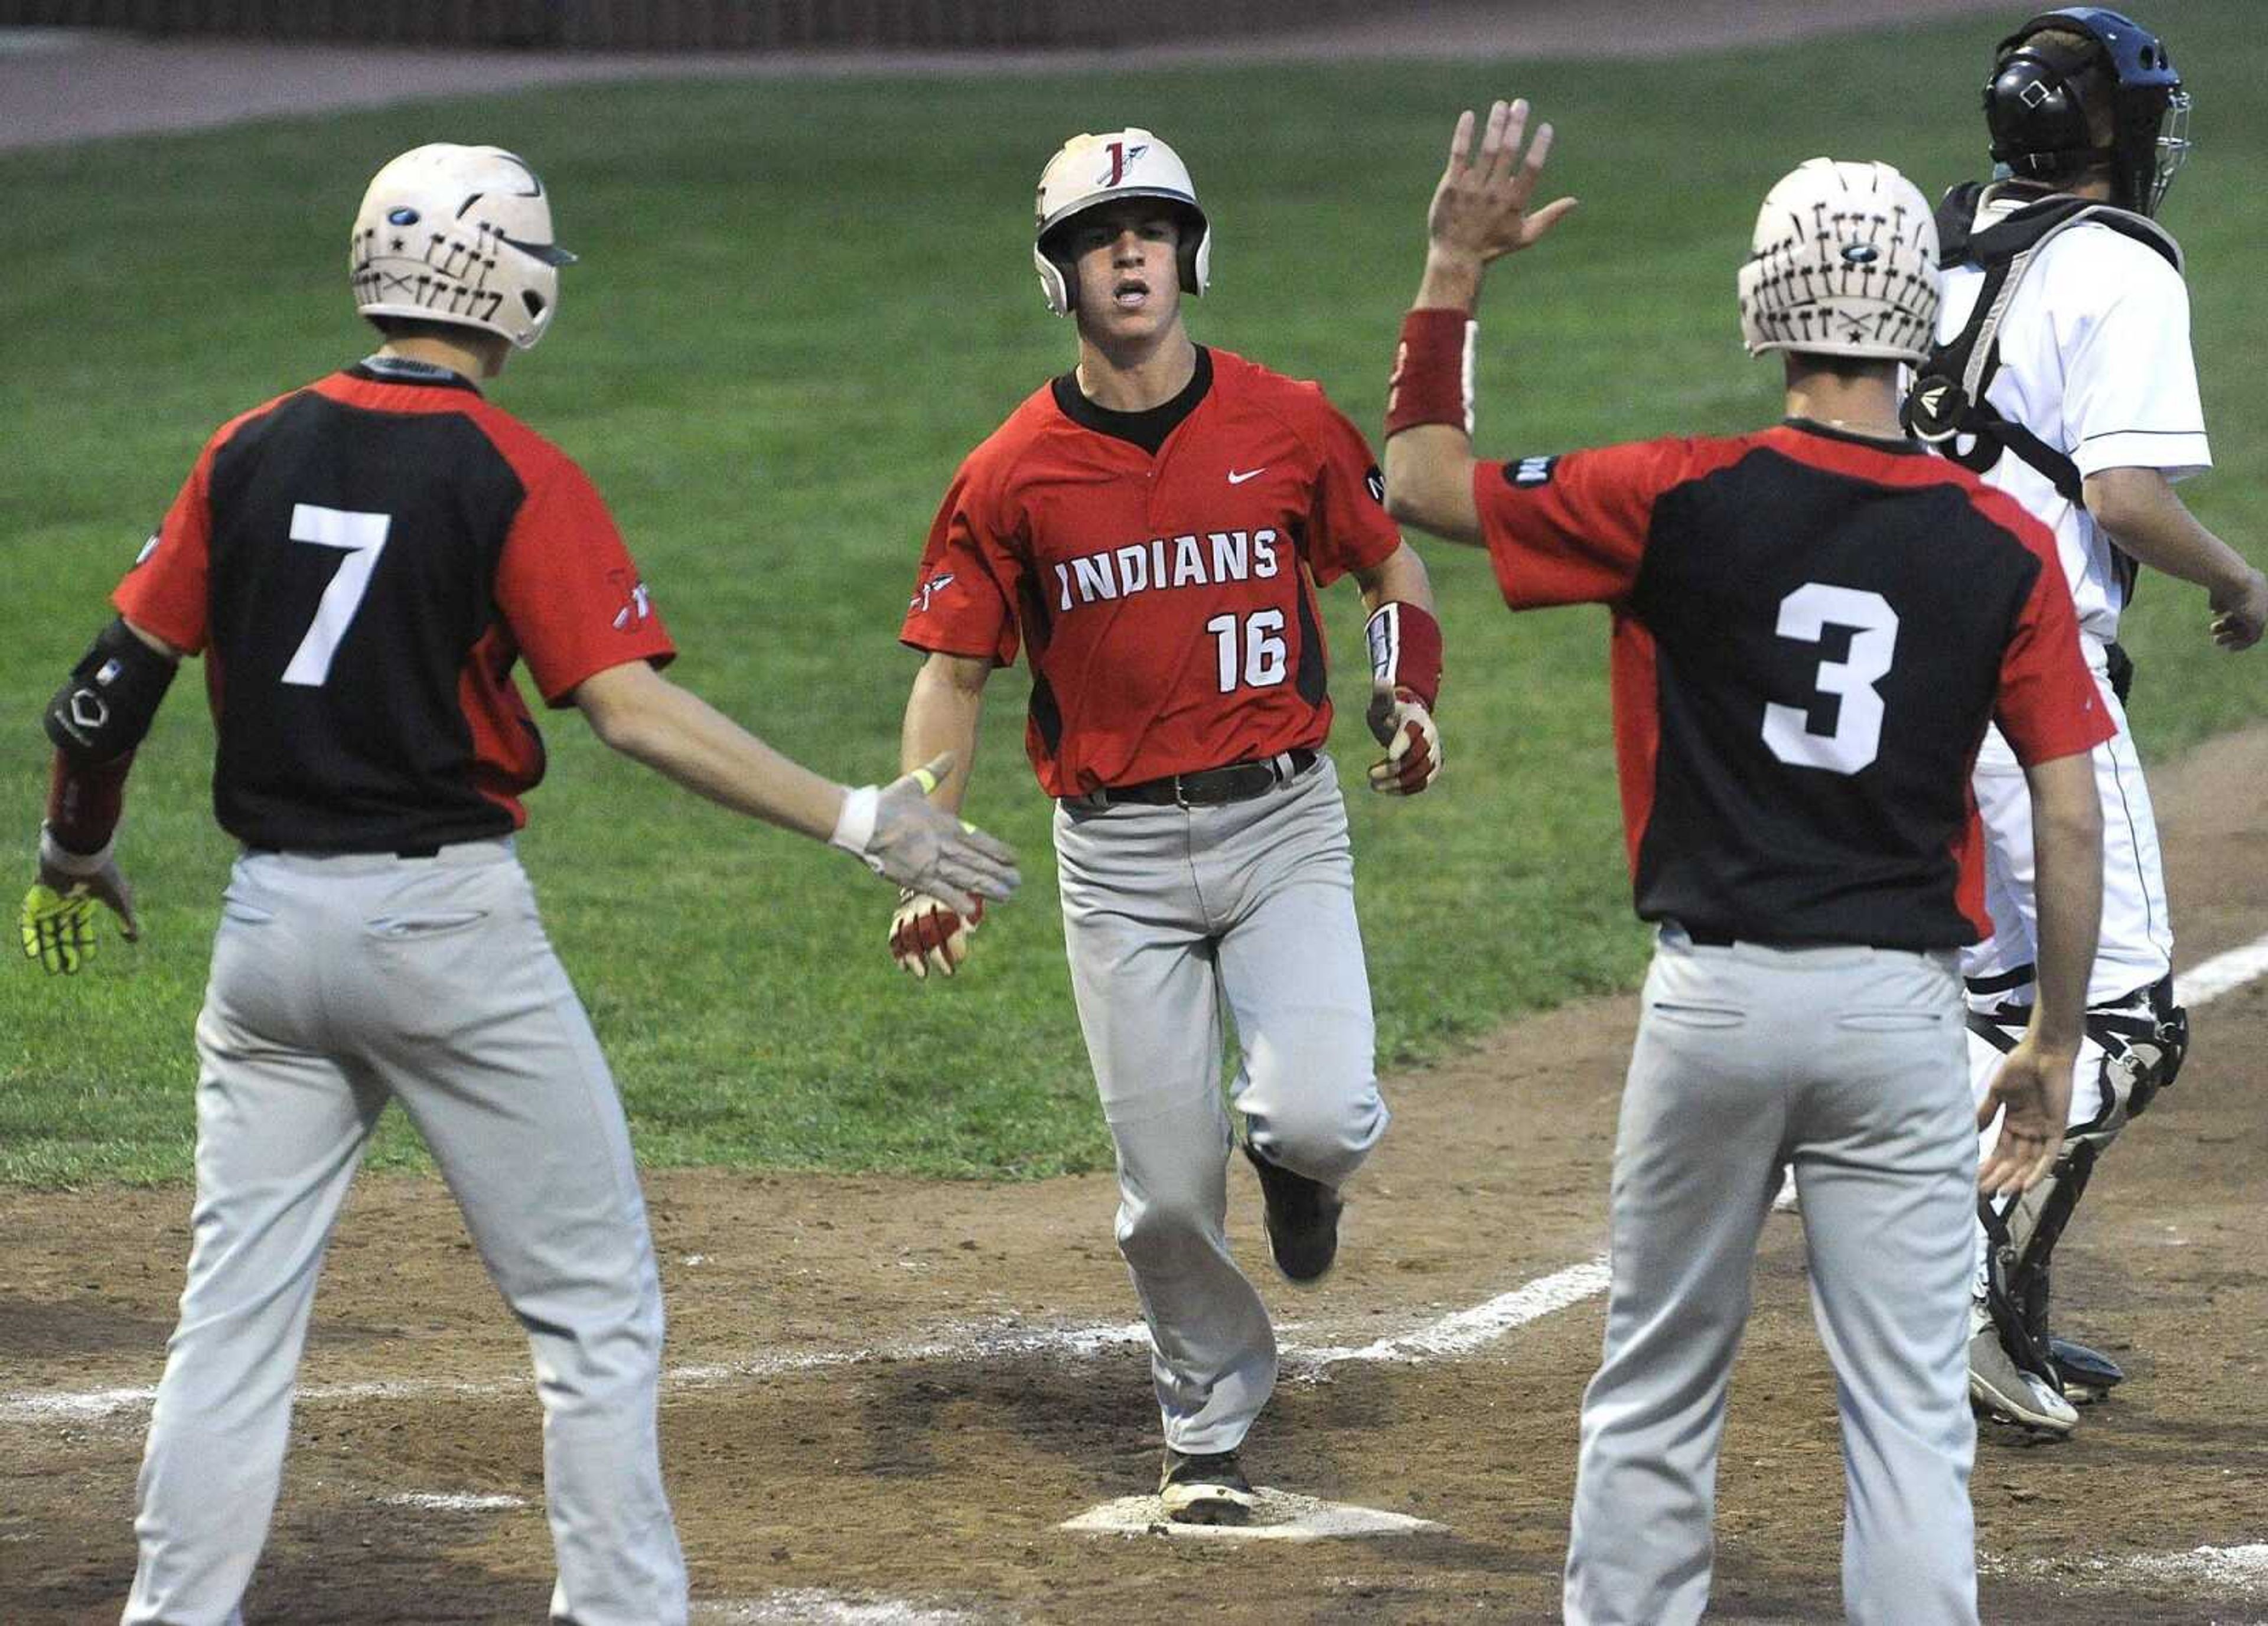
pixel 97 720
pixel 893 828
pixel 2147 516
pixel 1480 213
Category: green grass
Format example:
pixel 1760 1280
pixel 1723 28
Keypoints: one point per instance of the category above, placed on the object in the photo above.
pixel 800 305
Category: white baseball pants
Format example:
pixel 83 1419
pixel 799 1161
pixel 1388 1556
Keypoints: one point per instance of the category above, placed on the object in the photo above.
pixel 339 984
pixel 1169 914
pixel 2135 945
pixel 1847 1063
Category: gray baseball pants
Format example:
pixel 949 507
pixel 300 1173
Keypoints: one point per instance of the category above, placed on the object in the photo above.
pixel 1850 1064
pixel 339 984
pixel 1169 913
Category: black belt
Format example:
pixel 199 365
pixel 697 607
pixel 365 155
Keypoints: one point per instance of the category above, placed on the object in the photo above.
pixel 1209 787
pixel 1702 937
pixel 434 851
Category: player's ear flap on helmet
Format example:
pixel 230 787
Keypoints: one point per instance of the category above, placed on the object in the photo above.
pixel 1843 262
pixel 460 236
pixel 2085 89
pixel 1089 171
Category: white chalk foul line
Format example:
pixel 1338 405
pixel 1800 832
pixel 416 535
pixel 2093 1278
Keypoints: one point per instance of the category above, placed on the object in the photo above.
pixel 1467 1330
pixel 1454 1334
pixel 1458 1334
pixel 2209 979
pixel 809 1605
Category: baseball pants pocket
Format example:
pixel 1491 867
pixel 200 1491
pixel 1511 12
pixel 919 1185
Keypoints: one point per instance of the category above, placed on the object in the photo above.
pixel 1892 1021
pixel 1695 1016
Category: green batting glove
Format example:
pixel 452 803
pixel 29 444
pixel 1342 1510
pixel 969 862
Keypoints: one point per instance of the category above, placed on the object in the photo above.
pixel 58 929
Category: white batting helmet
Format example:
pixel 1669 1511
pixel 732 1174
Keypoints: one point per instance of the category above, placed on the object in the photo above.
pixel 458 234
pixel 1844 262
pixel 1088 171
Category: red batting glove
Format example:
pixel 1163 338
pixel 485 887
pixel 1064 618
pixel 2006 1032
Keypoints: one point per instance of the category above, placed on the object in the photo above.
pixel 1405 727
pixel 927 935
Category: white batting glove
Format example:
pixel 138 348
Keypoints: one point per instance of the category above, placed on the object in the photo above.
pixel 1401 724
pixel 928 934
pixel 903 837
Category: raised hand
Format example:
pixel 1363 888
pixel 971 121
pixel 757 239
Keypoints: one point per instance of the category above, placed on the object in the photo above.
pixel 1480 209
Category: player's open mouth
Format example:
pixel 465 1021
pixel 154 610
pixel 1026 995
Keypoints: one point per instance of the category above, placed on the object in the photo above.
pixel 1130 296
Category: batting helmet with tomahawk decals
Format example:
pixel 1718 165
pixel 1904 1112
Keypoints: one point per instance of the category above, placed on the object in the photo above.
pixel 459 235
pixel 1089 171
pixel 1844 262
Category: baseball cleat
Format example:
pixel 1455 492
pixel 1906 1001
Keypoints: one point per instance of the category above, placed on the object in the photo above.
pixel 2088 1375
pixel 1998 1388
pixel 1205 1487
pixel 1303 1220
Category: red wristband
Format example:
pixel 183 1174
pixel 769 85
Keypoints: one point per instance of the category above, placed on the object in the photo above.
pixel 1432 381
pixel 1405 649
pixel 83 803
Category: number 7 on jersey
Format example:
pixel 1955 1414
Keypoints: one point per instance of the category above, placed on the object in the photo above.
pixel 362 538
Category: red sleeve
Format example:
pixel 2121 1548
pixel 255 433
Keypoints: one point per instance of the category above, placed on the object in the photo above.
pixel 1349 529
pixel 2049 705
pixel 569 590
pixel 965 595
pixel 165 592
pixel 1572 529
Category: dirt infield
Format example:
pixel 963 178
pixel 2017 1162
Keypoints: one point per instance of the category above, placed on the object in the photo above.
pixel 895 1390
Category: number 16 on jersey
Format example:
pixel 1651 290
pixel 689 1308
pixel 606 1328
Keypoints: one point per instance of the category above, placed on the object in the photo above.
pixel 1258 639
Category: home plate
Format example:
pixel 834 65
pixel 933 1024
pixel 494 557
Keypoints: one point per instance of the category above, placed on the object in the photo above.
pixel 1280 1517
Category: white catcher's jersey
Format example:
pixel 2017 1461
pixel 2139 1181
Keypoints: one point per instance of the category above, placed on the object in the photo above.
pixel 2095 360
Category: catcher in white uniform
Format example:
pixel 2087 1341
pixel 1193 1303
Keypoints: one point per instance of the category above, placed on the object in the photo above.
pixel 2063 375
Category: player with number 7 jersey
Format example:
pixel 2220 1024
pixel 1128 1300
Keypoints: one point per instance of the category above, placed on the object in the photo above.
pixel 362 563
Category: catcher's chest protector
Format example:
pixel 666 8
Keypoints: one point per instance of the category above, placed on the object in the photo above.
pixel 1947 398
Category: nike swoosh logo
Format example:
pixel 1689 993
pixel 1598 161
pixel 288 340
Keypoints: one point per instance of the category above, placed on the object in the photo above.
pixel 1237 479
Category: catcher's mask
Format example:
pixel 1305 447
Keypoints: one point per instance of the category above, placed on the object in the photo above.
pixel 1089 171
pixel 2047 99
pixel 460 235
pixel 1843 262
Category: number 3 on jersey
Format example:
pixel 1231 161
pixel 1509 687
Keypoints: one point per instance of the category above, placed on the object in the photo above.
pixel 1805 616
pixel 1264 653
pixel 363 537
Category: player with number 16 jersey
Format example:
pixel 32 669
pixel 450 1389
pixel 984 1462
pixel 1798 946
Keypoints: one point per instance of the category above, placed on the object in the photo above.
pixel 1151 529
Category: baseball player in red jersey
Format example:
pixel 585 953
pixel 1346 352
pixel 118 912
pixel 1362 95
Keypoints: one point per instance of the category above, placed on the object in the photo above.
pixel 362 563
pixel 1150 527
pixel 1811 627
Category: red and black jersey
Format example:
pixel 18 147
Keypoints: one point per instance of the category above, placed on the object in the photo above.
pixel 1811 631
pixel 1166 596
pixel 362 562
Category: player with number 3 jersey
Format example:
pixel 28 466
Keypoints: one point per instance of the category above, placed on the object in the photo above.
pixel 1812 626
pixel 1149 531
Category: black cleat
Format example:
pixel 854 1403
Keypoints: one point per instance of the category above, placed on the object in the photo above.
pixel 1303 1220
pixel 1206 1488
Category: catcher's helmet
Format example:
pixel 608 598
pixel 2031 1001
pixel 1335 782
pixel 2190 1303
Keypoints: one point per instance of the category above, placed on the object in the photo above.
pixel 2045 102
pixel 460 235
pixel 1089 171
pixel 1844 262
